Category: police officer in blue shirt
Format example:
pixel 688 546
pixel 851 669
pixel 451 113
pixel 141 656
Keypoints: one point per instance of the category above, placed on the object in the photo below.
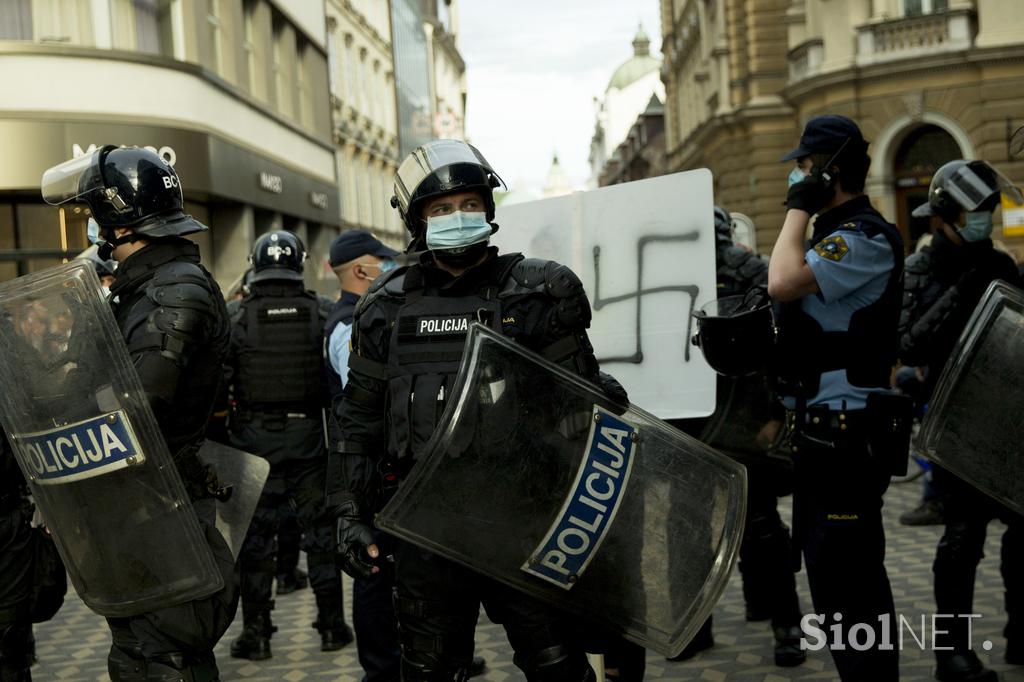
pixel 838 303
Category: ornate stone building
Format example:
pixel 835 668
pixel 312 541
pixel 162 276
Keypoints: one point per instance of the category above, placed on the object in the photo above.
pixel 927 80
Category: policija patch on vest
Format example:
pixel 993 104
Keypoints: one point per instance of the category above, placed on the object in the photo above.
pixel 446 325
pixel 833 248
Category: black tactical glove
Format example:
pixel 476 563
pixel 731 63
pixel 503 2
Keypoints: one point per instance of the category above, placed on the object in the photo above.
pixel 810 194
pixel 353 536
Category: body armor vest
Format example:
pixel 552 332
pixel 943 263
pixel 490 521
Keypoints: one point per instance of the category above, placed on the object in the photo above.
pixel 280 363
pixel 426 347
pixel 738 270
pixel 866 350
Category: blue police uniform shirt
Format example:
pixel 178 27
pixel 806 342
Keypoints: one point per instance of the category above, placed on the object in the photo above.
pixel 337 350
pixel 852 271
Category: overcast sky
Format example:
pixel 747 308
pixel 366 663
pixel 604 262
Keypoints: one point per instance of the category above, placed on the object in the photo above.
pixel 533 68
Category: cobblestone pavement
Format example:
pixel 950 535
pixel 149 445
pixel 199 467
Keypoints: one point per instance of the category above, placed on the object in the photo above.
pixel 74 645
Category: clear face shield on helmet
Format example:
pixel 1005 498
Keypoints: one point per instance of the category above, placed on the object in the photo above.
pixel 971 190
pixel 72 179
pixel 430 159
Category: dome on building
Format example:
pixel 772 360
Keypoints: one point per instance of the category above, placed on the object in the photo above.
pixel 637 66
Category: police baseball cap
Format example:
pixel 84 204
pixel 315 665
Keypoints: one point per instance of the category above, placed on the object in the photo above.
pixel 355 243
pixel 826 135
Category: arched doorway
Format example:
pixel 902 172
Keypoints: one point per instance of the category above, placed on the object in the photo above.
pixel 917 158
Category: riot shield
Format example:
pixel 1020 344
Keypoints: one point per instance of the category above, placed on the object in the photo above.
pixel 91 450
pixel 534 479
pixel 973 426
pixel 245 476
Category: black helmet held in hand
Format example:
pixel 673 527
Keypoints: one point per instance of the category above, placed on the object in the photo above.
pixel 737 333
pixel 278 255
pixel 437 168
pixel 125 187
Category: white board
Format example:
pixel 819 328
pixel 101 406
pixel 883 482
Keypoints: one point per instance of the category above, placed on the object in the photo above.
pixel 645 251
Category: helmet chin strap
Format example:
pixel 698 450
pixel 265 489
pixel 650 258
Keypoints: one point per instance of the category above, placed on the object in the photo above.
pixel 105 248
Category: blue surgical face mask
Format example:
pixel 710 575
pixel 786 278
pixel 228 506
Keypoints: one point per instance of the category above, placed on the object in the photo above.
pixel 93 231
pixel 387 264
pixel 796 175
pixel 457 230
pixel 977 226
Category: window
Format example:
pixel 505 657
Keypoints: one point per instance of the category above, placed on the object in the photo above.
pixel 249 43
pixel 302 82
pixel 283 94
pixel 63 21
pixel 333 76
pixel 213 24
pixel 913 8
pixel 16 20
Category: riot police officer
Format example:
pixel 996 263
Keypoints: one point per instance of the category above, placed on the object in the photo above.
pixel 944 282
pixel 745 426
pixel 278 395
pixel 396 392
pixel 839 307
pixel 172 315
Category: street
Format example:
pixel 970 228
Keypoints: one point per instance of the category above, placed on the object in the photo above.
pixel 73 647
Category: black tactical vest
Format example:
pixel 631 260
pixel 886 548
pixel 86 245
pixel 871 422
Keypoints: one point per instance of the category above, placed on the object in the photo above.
pixel 426 348
pixel 279 366
pixel 867 350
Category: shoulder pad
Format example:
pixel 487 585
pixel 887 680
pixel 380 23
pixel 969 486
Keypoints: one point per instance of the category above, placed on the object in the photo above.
pixel 389 285
pixel 548 276
pixel 530 272
pixel 735 257
pixel 181 285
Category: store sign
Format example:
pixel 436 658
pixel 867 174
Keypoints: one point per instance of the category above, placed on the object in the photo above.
pixel 318 199
pixel 166 153
pixel 271 183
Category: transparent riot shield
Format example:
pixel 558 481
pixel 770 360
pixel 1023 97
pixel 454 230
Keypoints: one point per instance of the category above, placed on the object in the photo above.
pixel 244 476
pixel 973 425
pixel 91 450
pixel 534 479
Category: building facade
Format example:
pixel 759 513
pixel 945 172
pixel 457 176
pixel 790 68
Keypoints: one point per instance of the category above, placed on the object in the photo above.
pixel 642 154
pixel 232 92
pixel 927 80
pixel 365 118
pixel 626 97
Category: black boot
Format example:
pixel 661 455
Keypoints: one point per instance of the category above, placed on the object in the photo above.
pixel 787 646
pixel 477 667
pixel 254 642
pixel 962 666
pixel 330 621
pixel 288 583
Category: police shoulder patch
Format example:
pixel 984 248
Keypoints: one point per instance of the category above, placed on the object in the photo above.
pixel 833 248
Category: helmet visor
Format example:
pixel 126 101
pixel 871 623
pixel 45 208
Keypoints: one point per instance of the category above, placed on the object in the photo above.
pixel 971 190
pixel 430 158
pixel 72 179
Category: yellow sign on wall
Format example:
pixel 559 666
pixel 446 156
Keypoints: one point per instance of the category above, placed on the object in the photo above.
pixel 1013 218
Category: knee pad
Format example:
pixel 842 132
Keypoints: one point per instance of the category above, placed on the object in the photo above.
pixel 557 663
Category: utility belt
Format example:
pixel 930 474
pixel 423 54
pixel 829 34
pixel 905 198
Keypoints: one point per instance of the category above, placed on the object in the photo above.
pixel 884 425
pixel 273 418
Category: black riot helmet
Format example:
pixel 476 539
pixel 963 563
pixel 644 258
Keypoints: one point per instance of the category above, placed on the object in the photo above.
pixel 736 334
pixel 125 187
pixel 436 168
pixel 723 227
pixel 278 255
pixel 965 186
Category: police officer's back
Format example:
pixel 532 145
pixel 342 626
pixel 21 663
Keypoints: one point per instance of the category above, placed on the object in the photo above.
pixel 279 391
pixel 172 315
